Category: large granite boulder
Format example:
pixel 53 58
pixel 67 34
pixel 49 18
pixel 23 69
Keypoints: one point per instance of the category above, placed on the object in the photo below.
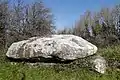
pixel 63 47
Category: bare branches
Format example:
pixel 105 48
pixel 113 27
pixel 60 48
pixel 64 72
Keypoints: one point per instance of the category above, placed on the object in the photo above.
pixel 20 21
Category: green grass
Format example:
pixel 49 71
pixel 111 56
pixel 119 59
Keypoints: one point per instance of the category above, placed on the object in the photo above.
pixel 21 71
pixel 112 52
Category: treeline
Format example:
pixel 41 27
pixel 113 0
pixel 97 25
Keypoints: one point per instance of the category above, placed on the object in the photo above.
pixel 20 21
pixel 101 28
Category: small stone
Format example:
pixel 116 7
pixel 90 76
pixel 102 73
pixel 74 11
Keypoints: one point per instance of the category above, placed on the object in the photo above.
pixel 99 64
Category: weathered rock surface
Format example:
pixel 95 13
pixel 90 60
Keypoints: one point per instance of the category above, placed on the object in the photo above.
pixel 64 47
pixel 58 47
pixel 99 64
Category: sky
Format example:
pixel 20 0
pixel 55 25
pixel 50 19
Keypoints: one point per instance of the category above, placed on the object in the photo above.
pixel 67 12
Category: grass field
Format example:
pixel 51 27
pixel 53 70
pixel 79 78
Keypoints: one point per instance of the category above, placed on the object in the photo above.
pixel 21 71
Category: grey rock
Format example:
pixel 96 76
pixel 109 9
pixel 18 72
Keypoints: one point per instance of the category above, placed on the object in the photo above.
pixel 99 64
pixel 64 47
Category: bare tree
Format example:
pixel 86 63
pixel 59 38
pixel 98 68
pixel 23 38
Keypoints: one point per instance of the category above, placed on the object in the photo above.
pixel 41 20
pixel 3 21
pixel 26 21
